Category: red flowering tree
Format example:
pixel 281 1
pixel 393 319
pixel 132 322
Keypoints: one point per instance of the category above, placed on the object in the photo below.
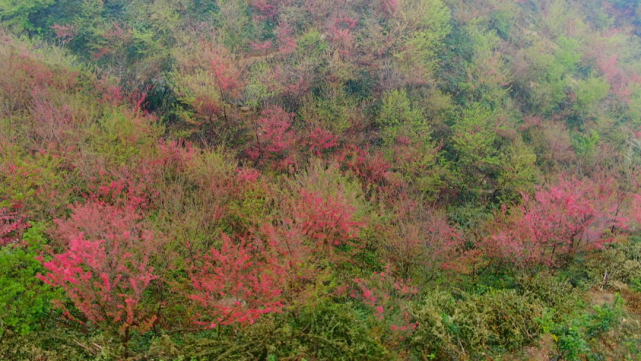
pixel 287 243
pixel 211 80
pixel 236 284
pixel 267 9
pixel 554 224
pixel 284 34
pixel 321 140
pixel 248 277
pixel 340 35
pixel 387 8
pixel 312 233
pixel 623 83
pixel 65 33
pixel 11 224
pixel 274 138
pixel 371 167
pixel 106 264
pixel 53 125
pixel 328 220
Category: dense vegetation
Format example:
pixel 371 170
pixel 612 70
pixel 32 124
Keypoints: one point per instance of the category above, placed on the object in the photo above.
pixel 320 180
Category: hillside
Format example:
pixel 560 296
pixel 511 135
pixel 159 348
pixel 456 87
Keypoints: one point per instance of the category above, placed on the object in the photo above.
pixel 320 180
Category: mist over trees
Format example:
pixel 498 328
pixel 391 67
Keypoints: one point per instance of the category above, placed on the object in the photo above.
pixel 320 180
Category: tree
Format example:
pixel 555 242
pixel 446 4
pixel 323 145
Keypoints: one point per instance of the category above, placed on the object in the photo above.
pixel 236 284
pixel 11 225
pixel 106 266
pixel 419 241
pixel 589 93
pixel 408 137
pixel 422 25
pixel 551 227
pixel 487 72
pixel 636 210
pixel 18 12
pixel 476 143
pixel 274 139
pixel 400 118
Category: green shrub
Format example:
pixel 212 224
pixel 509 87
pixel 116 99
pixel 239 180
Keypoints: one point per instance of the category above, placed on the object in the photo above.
pixel 25 301
pixel 621 261
pixel 497 321
pixel 577 336
pixel 550 292
pixel 327 331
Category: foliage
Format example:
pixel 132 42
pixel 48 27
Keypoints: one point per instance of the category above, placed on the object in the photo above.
pixel 319 179
pixel 18 13
pixel 556 223
pixel 232 287
pixel 106 269
pixel 468 326
pixel 574 337
pixel 26 301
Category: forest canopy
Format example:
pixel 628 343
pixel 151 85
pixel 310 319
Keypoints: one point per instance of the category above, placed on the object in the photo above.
pixel 320 180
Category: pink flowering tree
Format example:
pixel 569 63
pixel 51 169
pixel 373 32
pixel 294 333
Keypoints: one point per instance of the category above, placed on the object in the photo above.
pixel 11 225
pixel 274 138
pixel 556 223
pixel 236 284
pixel 105 265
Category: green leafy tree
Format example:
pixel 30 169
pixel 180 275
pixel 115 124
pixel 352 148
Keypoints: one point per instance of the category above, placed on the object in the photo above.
pixel 476 142
pixel 422 24
pixel 487 72
pixel 589 94
pixel 18 13
pixel 399 117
